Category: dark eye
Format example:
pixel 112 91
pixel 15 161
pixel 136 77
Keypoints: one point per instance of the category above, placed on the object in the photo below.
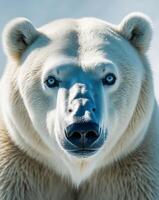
pixel 52 82
pixel 109 79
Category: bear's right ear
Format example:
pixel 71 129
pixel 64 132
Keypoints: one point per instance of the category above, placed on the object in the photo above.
pixel 17 36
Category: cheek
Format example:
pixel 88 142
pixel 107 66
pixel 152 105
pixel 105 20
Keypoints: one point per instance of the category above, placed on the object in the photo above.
pixel 121 107
pixel 51 122
pixel 36 103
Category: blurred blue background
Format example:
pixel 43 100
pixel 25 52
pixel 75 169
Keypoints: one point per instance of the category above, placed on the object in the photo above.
pixel 43 11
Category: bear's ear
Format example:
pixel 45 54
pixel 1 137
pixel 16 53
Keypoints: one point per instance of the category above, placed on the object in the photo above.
pixel 17 36
pixel 137 28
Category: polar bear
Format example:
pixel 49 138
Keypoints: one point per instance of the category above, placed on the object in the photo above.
pixel 79 119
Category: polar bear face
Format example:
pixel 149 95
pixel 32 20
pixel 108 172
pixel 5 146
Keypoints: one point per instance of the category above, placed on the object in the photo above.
pixel 78 91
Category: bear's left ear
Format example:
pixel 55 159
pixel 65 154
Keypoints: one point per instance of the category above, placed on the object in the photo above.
pixel 137 29
pixel 17 36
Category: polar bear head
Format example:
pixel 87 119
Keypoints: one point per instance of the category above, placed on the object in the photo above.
pixel 77 94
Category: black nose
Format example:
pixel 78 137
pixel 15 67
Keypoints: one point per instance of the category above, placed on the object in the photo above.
pixel 83 135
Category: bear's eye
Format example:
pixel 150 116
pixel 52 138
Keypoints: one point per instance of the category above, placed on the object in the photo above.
pixel 51 82
pixel 109 79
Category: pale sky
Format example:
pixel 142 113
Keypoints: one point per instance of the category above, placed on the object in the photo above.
pixel 43 11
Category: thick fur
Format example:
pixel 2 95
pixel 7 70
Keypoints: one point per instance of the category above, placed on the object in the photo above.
pixel 33 165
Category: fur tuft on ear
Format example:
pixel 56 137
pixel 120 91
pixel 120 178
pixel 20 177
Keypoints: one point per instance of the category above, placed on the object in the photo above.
pixel 137 28
pixel 17 36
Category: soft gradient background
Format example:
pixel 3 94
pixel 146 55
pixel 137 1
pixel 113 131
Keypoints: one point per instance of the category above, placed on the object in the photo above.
pixel 43 11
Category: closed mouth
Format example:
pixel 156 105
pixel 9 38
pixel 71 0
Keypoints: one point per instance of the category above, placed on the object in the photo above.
pixel 82 152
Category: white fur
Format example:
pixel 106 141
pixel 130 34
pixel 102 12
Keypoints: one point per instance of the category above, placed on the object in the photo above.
pixel 18 35
pixel 137 28
pixel 82 50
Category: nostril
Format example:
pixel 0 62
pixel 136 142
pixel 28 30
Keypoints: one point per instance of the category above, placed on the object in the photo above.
pixel 91 135
pixel 75 136
pixel 70 110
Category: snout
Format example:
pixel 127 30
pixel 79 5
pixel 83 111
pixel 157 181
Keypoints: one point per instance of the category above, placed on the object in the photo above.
pixel 83 134
pixel 83 139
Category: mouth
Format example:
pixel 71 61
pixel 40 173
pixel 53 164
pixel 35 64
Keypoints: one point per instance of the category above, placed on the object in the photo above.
pixel 82 152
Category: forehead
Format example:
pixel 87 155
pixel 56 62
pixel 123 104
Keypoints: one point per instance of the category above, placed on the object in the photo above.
pixel 86 41
pixel 78 38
